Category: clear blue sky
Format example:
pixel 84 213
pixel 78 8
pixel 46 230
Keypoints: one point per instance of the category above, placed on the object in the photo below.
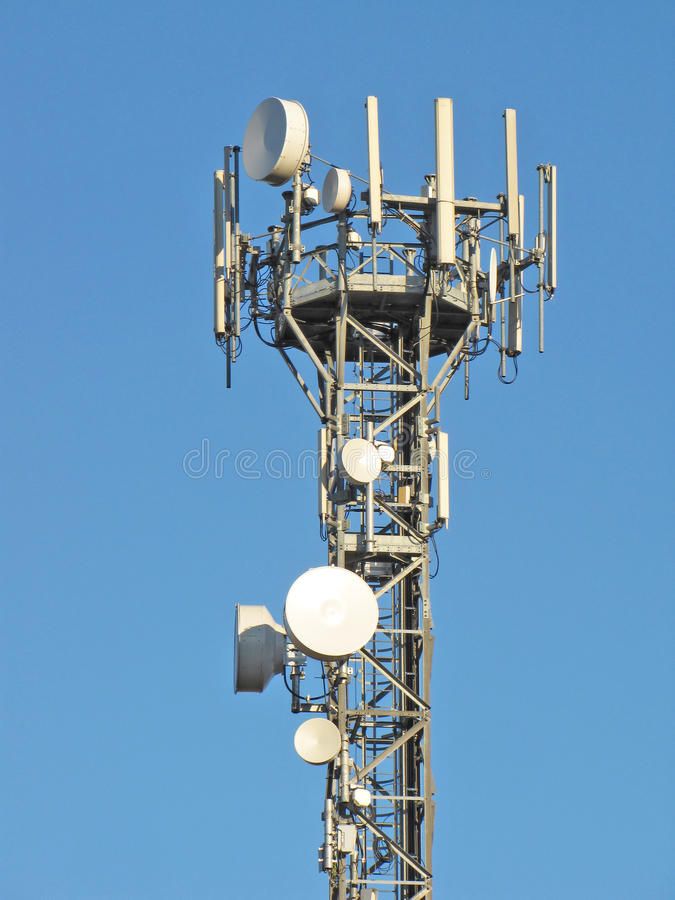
pixel 130 771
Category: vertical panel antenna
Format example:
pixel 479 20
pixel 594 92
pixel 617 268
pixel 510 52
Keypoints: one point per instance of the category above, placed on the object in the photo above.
pixel 374 166
pixel 512 173
pixel 445 182
pixel 218 256
pixel 552 228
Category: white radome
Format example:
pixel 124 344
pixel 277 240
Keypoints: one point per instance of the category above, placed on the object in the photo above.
pixel 337 190
pixel 276 140
pixel 259 648
pixel 387 453
pixel 360 461
pixel 330 613
pixel 317 741
pixel 361 797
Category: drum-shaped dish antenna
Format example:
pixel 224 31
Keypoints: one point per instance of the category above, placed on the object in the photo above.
pixel 337 190
pixel 276 140
pixel 259 648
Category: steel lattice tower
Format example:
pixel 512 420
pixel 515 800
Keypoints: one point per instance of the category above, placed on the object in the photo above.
pixel 385 324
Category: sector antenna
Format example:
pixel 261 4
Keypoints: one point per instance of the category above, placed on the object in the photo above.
pixel 374 302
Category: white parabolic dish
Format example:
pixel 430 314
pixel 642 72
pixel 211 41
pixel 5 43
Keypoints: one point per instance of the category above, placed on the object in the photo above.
pixel 276 140
pixel 317 741
pixel 330 613
pixel 360 461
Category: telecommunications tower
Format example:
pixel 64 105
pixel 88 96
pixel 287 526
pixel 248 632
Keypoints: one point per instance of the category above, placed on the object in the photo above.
pixel 385 297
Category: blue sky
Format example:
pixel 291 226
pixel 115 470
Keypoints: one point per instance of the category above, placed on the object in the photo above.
pixel 130 771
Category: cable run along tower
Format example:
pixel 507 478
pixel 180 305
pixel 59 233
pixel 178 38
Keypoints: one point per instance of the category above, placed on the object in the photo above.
pixel 380 300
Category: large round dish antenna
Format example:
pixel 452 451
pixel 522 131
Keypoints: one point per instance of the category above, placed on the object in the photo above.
pixel 330 613
pixel 317 741
pixel 337 190
pixel 259 648
pixel 360 461
pixel 276 140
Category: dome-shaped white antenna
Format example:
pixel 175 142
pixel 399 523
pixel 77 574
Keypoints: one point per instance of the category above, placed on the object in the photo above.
pixel 360 461
pixel 317 741
pixel 330 613
pixel 337 190
pixel 276 140
pixel 259 648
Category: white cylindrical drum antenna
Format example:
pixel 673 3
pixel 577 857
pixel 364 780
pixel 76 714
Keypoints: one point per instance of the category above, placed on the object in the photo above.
pixel 276 140
pixel 259 648
pixel 337 190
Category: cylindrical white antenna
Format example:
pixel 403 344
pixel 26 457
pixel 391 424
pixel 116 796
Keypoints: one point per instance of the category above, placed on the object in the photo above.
pixel 445 182
pixel 276 140
pixel 337 190
pixel 259 648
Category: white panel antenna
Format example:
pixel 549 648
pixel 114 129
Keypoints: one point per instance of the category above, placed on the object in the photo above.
pixel 512 173
pixel 553 228
pixel 492 277
pixel 374 165
pixel 445 182
pixel 443 463
pixel 218 254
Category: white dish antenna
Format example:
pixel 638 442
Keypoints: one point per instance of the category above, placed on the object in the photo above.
pixel 337 190
pixel 361 797
pixel 360 461
pixel 317 741
pixel 276 140
pixel 330 613
pixel 386 453
pixel 259 648
pixel 492 276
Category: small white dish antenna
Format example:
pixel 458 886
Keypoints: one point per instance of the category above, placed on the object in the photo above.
pixel 386 453
pixel 317 741
pixel 360 461
pixel 330 613
pixel 259 648
pixel 492 276
pixel 361 797
pixel 276 140
pixel 337 190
